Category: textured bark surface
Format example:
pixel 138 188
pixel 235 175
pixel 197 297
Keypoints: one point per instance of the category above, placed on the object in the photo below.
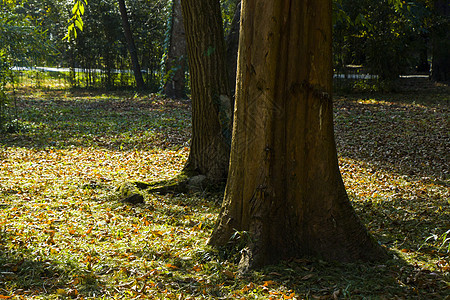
pixel 176 56
pixel 441 42
pixel 131 46
pixel 284 184
pixel 211 106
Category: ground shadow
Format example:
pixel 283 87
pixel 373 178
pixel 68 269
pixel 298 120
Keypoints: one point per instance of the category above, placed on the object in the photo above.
pixel 26 274
pixel 119 121
pixel 404 133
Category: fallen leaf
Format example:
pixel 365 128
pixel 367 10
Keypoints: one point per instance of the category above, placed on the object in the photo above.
pixel 309 276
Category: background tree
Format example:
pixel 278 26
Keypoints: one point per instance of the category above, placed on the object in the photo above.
pixel 130 44
pixel 102 46
pixel 232 43
pixel 210 93
pixel 441 41
pixel 284 186
pixel 175 63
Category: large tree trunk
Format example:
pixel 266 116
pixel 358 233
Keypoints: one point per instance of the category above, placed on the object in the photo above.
pixel 284 186
pixel 211 108
pixel 441 41
pixel 176 56
pixel 130 44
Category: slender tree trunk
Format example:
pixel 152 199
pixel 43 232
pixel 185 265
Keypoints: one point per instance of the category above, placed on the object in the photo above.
pixel 130 44
pixel 211 108
pixel 422 64
pixel 232 43
pixel 284 186
pixel 176 56
pixel 441 41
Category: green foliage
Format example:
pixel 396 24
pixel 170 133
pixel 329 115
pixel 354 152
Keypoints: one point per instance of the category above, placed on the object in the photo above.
pixel 4 68
pixel 228 10
pixel 383 36
pixel 20 39
pixel 76 21
pixel 102 45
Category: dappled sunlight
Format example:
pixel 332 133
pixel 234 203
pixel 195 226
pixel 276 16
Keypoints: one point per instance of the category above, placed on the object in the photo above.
pixel 401 212
pixel 78 166
pixel 63 232
pixel 393 153
pixel 61 226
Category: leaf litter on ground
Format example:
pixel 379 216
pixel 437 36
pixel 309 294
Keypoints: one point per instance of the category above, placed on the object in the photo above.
pixel 63 235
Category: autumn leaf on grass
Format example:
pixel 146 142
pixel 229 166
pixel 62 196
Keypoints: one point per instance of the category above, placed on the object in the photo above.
pixel 290 296
pixel 309 276
pixel 228 274
pixel 170 266
pixel 197 268
pixel 198 226
pixel 5 297
pixel 248 287
pixel 269 282
pixel 72 293
pixel 157 233
pixel 75 281
pixel 71 230
pixel 51 234
pixel 89 230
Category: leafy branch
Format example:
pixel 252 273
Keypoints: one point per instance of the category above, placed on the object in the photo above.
pixel 76 21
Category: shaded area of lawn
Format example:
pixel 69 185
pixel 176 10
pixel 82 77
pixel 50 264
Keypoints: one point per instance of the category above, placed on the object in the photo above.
pixel 121 120
pixel 409 139
pixel 63 234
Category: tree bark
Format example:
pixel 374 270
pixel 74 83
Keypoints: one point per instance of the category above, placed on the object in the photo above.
pixel 440 70
pixel 176 56
pixel 211 108
pixel 284 186
pixel 131 46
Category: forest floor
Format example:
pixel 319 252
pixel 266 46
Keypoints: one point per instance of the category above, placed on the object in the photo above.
pixel 63 234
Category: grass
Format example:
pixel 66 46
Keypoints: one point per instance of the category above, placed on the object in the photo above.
pixel 64 235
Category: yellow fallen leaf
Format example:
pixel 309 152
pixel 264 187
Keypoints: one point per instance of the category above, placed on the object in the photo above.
pixel 171 266
pixel 157 233
pixel 197 268
pixel 269 282
pixel 89 230
pixel 309 276
pixel 289 296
